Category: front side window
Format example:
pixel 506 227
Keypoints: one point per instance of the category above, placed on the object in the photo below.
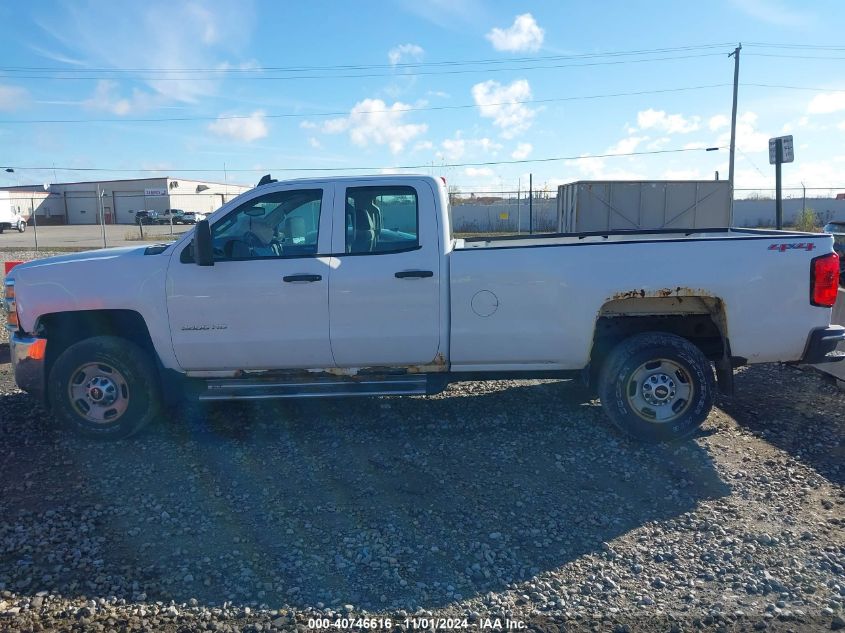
pixel 281 224
pixel 381 219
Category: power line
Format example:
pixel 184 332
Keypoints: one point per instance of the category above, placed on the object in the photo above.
pixel 370 75
pixel 753 164
pixel 372 168
pixel 811 88
pixel 413 108
pixel 399 66
pixel 786 56
pixel 345 113
pixel 837 47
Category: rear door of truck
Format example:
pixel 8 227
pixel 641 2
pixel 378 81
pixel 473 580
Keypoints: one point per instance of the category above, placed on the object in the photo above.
pixel 384 290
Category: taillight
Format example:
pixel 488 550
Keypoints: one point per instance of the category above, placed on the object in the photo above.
pixel 824 280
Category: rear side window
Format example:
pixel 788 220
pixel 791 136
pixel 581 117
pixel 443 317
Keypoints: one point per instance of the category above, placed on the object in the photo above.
pixel 381 220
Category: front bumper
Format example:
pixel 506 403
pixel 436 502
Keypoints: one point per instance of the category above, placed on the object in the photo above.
pixel 28 362
pixel 821 343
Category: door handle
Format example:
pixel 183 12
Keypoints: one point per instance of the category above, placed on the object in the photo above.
pixel 414 274
pixel 307 278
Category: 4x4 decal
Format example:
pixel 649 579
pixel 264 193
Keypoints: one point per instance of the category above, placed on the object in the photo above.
pixel 801 246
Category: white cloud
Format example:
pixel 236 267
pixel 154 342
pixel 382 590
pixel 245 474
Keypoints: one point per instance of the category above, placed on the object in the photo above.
pixel 12 97
pixel 626 145
pixel 423 145
pixel 205 20
pixel 826 103
pixel 748 137
pixel 373 121
pixel 718 122
pixel 659 143
pixel 404 53
pixel 453 148
pixel 668 123
pixel 308 125
pixel 685 174
pixel 501 103
pixel 246 129
pixel 144 35
pixel 488 145
pixel 592 168
pixel 522 151
pixel 696 145
pixel 315 142
pixel 107 98
pixel 479 172
pixel 774 12
pixel 523 35
pixel 841 125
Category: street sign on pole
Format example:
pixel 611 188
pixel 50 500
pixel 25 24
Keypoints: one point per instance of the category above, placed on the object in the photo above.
pixel 780 151
pixel 788 150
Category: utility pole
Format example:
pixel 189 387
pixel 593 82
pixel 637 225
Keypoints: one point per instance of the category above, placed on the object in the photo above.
pixel 531 204
pixel 778 188
pixel 733 127
pixel 804 205
pixel 102 212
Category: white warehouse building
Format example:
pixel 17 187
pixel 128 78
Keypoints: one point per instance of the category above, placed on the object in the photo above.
pixel 79 202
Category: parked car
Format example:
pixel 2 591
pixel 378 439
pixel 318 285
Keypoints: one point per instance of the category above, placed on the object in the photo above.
pixel 192 217
pixel 355 286
pixel 146 217
pixel 837 230
pixel 173 216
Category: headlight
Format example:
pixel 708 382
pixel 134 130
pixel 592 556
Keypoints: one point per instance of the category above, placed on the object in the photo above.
pixel 10 305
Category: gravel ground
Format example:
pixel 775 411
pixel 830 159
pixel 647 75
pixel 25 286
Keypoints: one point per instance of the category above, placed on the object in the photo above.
pixel 510 499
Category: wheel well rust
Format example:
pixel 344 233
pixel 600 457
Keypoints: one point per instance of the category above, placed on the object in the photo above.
pixel 693 315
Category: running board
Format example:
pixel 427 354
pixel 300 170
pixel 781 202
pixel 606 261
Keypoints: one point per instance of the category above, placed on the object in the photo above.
pixel 323 387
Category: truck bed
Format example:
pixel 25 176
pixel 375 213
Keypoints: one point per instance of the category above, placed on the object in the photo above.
pixel 621 237
pixel 519 299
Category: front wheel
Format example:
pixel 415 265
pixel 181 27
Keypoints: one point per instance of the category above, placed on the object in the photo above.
pixel 21 227
pixel 656 387
pixel 104 387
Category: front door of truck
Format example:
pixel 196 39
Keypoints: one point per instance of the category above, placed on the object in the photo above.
pixel 264 304
pixel 384 293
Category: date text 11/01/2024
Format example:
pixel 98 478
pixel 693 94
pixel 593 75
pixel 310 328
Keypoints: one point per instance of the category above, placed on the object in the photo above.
pixel 418 624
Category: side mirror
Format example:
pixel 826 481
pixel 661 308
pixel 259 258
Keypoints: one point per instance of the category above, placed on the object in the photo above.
pixel 203 250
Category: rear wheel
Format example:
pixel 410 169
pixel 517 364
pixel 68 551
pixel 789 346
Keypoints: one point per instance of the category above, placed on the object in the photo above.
pixel 656 387
pixel 105 387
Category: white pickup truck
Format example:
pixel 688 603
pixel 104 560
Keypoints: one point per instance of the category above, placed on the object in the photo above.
pixel 356 286
pixel 10 218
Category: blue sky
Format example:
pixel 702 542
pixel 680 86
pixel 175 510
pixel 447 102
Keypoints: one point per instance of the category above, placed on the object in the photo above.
pixel 377 84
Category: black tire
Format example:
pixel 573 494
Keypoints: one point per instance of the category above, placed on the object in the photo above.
pixel 671 365
pixel 21 227
pixel 133 375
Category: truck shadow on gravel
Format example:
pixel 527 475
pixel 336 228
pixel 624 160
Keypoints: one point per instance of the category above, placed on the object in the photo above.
pixel 379 503
pixel 797 410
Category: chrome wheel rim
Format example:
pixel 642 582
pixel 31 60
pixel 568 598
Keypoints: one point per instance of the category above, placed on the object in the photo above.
pixel 660 391
pixel 98 392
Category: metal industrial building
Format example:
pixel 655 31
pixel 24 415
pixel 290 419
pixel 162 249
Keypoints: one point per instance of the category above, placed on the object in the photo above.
pixel 118 200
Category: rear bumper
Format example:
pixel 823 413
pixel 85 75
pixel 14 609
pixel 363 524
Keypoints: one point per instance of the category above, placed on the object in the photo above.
pixel 28 354
pixel 821 342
